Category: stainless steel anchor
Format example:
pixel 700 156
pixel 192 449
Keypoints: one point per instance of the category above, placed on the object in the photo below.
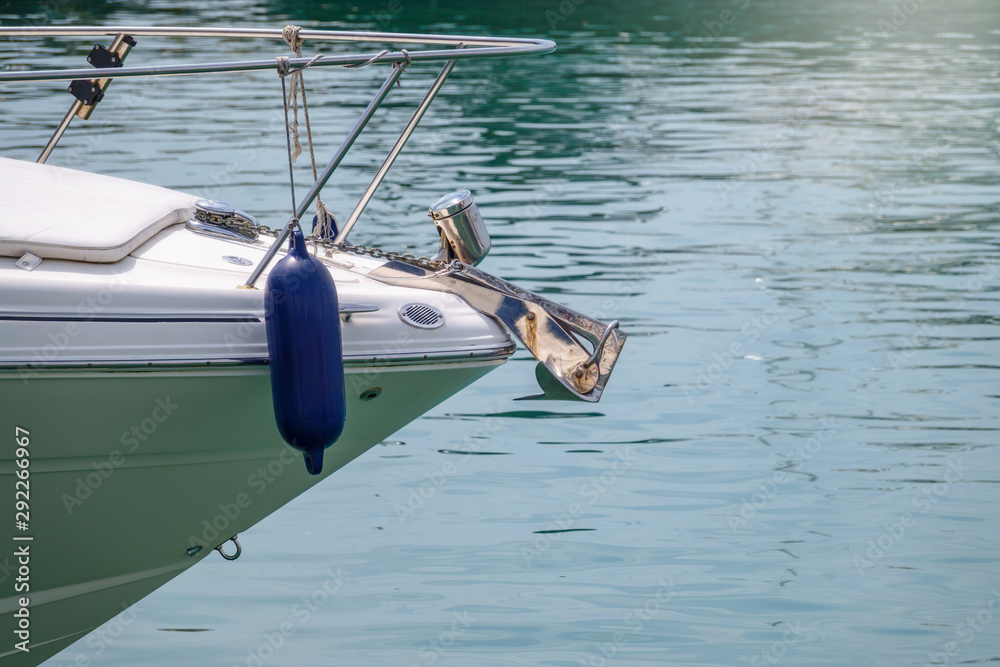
pixel 567 369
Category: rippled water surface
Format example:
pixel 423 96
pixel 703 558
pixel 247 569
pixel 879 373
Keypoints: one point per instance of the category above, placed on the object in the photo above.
pixel 792 208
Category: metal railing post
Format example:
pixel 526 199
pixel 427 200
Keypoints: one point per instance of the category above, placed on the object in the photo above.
pixel 397 71
pixel 74 109
pixel 407 131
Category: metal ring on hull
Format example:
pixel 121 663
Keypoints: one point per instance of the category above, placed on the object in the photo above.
pixel 234 556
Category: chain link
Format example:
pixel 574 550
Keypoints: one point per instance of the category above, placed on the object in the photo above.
pixel 453 266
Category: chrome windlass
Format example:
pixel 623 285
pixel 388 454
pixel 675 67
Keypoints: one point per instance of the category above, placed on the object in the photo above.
pixel 219 219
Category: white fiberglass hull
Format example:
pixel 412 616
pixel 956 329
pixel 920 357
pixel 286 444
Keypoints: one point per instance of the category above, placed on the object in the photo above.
pixel 129 470
pixel 137 428
pixel 144 395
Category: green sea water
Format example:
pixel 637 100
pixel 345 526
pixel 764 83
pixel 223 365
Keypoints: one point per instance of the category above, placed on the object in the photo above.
pixel 793 208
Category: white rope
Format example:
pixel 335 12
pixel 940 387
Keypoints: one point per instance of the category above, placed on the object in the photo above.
pixel 377 56
pixel 368 62
pixel 290 34
pixel 325 222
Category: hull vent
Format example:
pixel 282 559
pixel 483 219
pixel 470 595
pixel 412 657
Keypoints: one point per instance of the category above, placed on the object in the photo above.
pixel 421 316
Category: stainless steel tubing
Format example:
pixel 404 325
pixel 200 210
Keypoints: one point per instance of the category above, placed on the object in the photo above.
pixel 327 172
pixel 391 157
pixel 485 47
pixel 73 110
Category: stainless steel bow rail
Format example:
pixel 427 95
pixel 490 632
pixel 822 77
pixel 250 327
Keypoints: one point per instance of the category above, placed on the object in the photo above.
pixel 464 47
pixel 476 47
pixel 553 333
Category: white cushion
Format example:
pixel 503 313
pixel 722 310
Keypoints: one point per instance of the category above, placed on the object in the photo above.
pixel 61 213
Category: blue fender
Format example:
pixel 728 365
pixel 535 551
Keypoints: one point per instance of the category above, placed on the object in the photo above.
pixel 302 318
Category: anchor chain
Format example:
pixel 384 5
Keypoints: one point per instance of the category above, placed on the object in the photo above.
pixel 454 266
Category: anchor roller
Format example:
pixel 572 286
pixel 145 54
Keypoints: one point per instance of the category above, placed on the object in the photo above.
pixel 306 357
